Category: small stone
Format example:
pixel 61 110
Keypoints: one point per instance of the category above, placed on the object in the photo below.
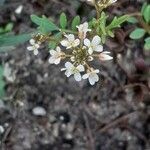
pixel 69 136
pixel 19 9
pixel 1 129
pixel 6 125
pixel 2 105
pixel 39 111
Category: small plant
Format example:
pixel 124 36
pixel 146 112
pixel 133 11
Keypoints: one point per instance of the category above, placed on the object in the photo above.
pixel 6 29
pixel 143 19
pixel 77 43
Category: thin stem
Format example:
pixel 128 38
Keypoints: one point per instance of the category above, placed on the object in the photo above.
pixel 68 31
pixel 66 55
pixel 95 55
pixel 135 14
pixel 141 21
pixel 88 67
pixel 97 9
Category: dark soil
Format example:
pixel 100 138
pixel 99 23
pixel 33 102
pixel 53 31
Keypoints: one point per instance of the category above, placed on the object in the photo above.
pixel 112 115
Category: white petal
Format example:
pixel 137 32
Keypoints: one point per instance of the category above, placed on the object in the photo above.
pixel 57 61
pixel 80 68
pixel 96 77
pixel 30 48
pixel 68 65
pixel 92 82
pixel 76 42
pixel 106 52
pixel 32 41
pixel 63 69
pixel 35 52
pixel 93 78
pixel 96 71
pixel 85 24
pixel 68 73
pixel 85 76
pixel 86 27
pixel 58 49
pixel 87 42
pixel 52 52
pixel 96 40
pixel 98 48
pixel 113 1
pixel 90 50
pixel 51 60
pixel 64 43
pixel 77 76
pixel 90 58
pixel 104 57
pixel 72 58
pixel 70 37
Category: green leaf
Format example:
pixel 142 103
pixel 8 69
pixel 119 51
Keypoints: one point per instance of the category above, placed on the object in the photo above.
pixel 137 33
pixel 2 30
pixel 45 25
pixel 146 14
pixel 110 33
pixel 103 38
pixel 52 45
pixel 102 23
pixel 143 8
pixel 2 83
pixel 116 22
pixel 12 40
pixel 75 22
pixel 9 27
pixel 147 44
pixel 63 21
pixel 132 20
pixel 35 19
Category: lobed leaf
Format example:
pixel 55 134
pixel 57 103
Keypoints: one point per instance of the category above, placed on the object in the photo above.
pixel 45 25
pixel 116 22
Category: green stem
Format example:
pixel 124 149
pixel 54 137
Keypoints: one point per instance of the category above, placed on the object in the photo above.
pixel 68 31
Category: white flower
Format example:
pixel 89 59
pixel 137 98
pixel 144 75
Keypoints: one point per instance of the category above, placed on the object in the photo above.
pixel 112 1
pixel 70 41
pixel 94 45
pixel 55 56
pixel 72 70
pixel 92 76
pixel 83 29
pixel 104 56
pixel 34 46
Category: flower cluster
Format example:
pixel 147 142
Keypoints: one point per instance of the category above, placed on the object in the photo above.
pixel 80 51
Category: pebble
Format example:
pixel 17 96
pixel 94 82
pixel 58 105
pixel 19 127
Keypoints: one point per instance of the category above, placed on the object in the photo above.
pixel 19 9
pixel 39 111
pixel 2 105
pixel 1 129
